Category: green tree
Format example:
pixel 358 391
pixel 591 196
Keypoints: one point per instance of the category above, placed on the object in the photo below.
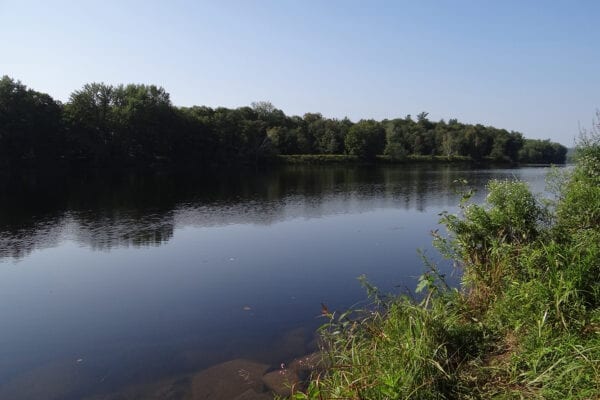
pixel 477 143
pixel 365 139
pixel 269 114
pixel 91 124
pixel 145 120
pixel 30 125
pixel 542 152
pixel 396 145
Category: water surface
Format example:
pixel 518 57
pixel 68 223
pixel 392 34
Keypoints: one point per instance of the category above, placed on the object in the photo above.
pixel 108 282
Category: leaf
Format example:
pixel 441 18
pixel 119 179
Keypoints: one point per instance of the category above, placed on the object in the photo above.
pixel 424 282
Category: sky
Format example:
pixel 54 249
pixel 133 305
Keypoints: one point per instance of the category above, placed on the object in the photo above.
pixel 528 66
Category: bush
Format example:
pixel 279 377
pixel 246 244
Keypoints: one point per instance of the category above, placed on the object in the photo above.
pixel 525 324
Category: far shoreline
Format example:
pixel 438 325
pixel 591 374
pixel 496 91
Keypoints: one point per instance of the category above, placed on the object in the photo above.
pixel 344 159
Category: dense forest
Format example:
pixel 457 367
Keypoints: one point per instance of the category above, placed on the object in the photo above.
pixel 137 125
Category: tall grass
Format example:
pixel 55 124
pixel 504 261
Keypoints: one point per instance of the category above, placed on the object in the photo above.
pixel 524 324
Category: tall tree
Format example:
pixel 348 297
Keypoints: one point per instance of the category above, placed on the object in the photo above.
pixel 365 139
pixel 30 125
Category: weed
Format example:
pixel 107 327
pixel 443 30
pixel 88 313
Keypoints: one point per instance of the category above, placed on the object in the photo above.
pixel 524 324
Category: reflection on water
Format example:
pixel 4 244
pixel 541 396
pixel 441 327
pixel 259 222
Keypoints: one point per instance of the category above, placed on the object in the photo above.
pixel 194 271
pixel 138 210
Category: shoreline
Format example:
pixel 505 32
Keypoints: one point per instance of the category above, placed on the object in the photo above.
pixel 343 159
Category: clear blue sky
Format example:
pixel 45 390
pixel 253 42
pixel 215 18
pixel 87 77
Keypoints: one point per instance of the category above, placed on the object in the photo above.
pixel 530 66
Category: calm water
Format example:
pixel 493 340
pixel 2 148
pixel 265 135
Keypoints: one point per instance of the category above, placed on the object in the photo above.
pixel 112 282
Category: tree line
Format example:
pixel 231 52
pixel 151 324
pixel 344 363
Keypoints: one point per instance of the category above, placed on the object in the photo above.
pixel 103 125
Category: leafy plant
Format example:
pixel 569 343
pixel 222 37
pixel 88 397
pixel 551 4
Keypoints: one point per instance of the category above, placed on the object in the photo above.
pixel 525 324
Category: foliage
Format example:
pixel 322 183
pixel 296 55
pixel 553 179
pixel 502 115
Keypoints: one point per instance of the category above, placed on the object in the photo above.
pixel 395 352
pixel 525 324
pixel 542 151
pixel 365 139
pixel 30 130
pixel 318 159
pixel 104 125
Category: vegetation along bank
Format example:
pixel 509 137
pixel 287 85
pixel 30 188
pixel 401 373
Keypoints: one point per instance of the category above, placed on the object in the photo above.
pixel 137 126
pixel 525 323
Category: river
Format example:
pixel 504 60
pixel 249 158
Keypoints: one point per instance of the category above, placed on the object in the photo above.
pixel 108 282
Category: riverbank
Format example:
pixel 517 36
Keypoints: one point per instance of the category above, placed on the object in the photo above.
pixel 525 323
pixel 382 159
pixel 351 159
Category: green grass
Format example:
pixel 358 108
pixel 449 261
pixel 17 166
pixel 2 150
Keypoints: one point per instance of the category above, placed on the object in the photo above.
pixel 317 159
pixel 422 158
pixel 524 324
pixel 349 159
